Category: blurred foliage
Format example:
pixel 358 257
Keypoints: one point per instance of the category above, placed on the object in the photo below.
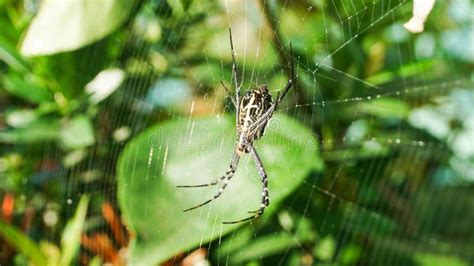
pixel 47 253
pixel 374 167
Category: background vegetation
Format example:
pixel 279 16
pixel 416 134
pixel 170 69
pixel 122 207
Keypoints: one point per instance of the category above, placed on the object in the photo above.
pixel 106 106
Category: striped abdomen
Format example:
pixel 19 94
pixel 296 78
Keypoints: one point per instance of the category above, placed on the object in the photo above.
pixel 253 105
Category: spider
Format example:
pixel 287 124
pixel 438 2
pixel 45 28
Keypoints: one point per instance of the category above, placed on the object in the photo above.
pixel 253 111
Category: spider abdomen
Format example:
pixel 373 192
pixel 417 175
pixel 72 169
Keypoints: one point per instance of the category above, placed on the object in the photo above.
pixel 253 105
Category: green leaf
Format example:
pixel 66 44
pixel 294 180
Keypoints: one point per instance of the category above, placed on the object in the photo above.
pixel 63 26
pixel 78 133
pixel 104 84
pixel 22 243
pixel 21 118
pixel 264 247
pixel 385 108
pixel 18 86
pixel 38 131
pixel 362 222
pixel 71 237
pixel 432 259
pixel 197 151
pixel 51 251
pixel 230 245
pixel 11 57
pixel 177 7
pixel 404 71
pixel 350 254
pixel 325 248
pixel 96 261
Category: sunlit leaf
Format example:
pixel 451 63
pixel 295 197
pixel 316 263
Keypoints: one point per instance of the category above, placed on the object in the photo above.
pixel 51 251
pixel 22 243
pixel 385 108
pixel 78 133
pixel 71 237
pixel 325 249
pixel 198 151
pixel 63 26
pixel 21 118
pixel 104 84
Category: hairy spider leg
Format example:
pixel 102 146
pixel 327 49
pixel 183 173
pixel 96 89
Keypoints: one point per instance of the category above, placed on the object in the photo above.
pixel 230 171
pixel 254 127
pixel 236 82
pixel 291 82
pixel 265 199
pixel 234 65
pixel 228 94
pixel 226 177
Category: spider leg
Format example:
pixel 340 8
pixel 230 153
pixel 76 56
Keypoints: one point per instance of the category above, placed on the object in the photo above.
pixel 291 81
pixel 234 65
pixel 226 177
pixel 260 212
pixel 228 93
pixel 256 211
pixel 213 183
pixel 234 77
pixel 218 194
pixel 230 172
pixel 265 199
pixel 264 117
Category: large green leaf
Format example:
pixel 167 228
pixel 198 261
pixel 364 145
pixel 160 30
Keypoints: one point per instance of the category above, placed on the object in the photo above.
pixel 194 152
pixel 63 26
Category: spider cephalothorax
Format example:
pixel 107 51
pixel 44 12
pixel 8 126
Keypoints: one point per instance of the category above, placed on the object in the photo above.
pixel 253 110
pixel 254 104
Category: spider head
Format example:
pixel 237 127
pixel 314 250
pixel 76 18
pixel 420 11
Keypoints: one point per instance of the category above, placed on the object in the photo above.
pixel 263 89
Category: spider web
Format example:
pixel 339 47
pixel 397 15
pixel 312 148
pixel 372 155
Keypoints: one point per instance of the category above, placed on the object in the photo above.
pixel 392 112
pixel 374 200
pixel 361 209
